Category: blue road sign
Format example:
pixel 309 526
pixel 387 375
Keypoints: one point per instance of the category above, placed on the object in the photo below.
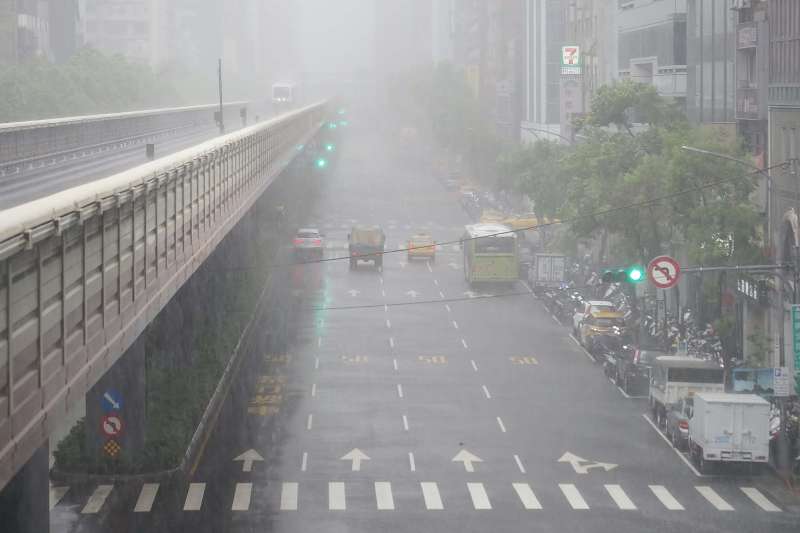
pixel 111 401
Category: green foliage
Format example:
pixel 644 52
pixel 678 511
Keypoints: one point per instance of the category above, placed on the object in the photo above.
pixel 626 102
pixel 90 82
pixel 760 349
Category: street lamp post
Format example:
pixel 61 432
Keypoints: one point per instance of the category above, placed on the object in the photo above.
pixel 539 130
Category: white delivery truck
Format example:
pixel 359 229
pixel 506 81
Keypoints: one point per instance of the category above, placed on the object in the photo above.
pixel 673 377
pixel 548 272
pixel 728 428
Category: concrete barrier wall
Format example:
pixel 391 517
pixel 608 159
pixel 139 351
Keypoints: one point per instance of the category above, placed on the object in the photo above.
pixel 82 272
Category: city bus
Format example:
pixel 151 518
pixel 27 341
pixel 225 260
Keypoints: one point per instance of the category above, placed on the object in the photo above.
pixel 490 254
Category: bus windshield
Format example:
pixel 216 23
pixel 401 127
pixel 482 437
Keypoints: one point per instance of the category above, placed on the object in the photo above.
pixel 282 92
pixel 494 245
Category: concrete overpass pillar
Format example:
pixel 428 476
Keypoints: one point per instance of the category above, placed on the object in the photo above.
pixel 25 501
pixel 115 407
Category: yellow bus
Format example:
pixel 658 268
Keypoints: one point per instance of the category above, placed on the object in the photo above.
pixel 490 254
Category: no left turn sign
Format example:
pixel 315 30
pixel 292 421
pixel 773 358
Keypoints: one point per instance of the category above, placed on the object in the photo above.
pixel 111 425
pixel 663 272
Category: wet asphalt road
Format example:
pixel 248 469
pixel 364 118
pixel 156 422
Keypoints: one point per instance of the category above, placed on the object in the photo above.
pixel 359 414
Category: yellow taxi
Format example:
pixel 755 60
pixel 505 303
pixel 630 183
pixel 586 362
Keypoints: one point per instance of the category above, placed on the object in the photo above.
pixel 421 245
pixel 601 323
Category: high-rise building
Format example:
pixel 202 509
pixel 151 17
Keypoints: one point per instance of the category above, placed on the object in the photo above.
pixel 25 30
pixel 65 36
pixel 652 44
pixel 442 30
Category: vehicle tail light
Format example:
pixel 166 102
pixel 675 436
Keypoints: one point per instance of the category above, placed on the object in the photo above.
pixel 317 242
pixel 683 424
pixel 298 241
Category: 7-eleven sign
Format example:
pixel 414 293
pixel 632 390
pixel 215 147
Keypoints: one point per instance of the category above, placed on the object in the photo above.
pixel 570 56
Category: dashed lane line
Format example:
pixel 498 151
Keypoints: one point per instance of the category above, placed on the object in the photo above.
pixel 310 422
pixel 441 295
pixel 316 363
pixel 500 423
pixel 388 324
pixel 405 422
pixel 428 263
pixel 464 343
pixel 447 306
pixel 399 390
pixel 394 363
pixel 194 497
pixel 391 342
pixel 313 390
pixel 486 392
pixel 455 324
pixel 519 464
pixel 411 462
pixel 474 365
pixel 304 462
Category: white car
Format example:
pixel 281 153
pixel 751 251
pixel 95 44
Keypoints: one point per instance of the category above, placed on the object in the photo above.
pixel 589 306
pixel 308 244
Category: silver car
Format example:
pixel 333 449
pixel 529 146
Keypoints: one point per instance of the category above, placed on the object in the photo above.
pixel 308 244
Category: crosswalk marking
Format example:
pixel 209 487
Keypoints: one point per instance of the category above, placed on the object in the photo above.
pixel 194 497
pixel 714 498
pixel 430 492
pixel 572 495
pixel 760 500
pixel 241 497
pixel 666 498
pixel 383 496
pixel 97 499
pixel 289 496
pixel 146 498
pixel 620 498
pixel 336 498
pixel 56 493
pixel 480 500
pixel 526 496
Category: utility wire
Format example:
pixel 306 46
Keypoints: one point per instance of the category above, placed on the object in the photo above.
pixel 420 302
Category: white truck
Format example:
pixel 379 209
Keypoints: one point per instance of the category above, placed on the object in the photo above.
pixel 673 377
pixel 728 428
pixel 548 271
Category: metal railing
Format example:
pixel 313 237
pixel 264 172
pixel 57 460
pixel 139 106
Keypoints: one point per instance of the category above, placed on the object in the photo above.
pixel 82 272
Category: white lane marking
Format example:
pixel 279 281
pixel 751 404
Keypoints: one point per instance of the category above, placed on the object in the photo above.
pixel 316 363
pixel 241 497
pixel 310 422
pixel 572 495
pixel 405 422
pixel 385 308
pixel 464 343
pixel 526 496
pixel 582 349
pixel 500 423
pixel 289 496
pixel 474 365
pixel 519 464
pixel 441 295
pixel 760 500
pixel 447 306
pixel 436 282
pixel 388 324
pixel 313 389
pixel 666 498
pixel 455 324
pixel 194 497
pixel 391 342
pixel 527 287
pixel 620 498
pixel 394 363
pixel 319 342
pixel 429 266
pixel 56 493
pixel 480 500
pixel 304 462
pixel 336 497
pixel 430 492
pixel 381 280
pixel 383 496
pixel 146 498
pixel 625 394
pixel 383 293
pixel 399 390
pixel 677 452
pixel 411 463
pixel 486 392
pixel 555 319
pixel 97 499
pixel 713 498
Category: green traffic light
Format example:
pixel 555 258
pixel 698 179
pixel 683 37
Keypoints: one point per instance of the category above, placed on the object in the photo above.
pixel 342 111
pixel 343 123
pixel 329 147
pixel 322 162
pixel 332 125
pixel 635 274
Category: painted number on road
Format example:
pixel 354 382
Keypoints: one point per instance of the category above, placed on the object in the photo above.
pixel 354 359
pixel 268 397
pixel 433 359
pixel 523 360
pixel 277 359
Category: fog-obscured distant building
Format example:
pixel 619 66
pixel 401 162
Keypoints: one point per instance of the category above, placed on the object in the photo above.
pixel 403 35
pixel 25 27
pixel 65 34
pixel 652 44
pixel 442 30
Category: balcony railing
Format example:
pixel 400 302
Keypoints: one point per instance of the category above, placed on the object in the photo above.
pixel 746 35
pixel 747 105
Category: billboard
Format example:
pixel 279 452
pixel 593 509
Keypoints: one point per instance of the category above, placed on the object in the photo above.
pixel 570 60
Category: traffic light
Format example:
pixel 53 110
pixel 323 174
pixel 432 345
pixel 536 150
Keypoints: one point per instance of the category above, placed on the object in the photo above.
pixel 321 163
pixel 330 147
pixel 332 125
pixel 632 274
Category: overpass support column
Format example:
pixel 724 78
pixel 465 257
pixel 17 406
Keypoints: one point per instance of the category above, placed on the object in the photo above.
pixel 115 407
pixel 24 502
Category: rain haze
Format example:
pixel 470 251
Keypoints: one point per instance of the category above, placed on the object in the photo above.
pixel 399 265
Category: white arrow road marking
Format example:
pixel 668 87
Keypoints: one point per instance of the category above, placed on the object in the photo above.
pixel 577 463
pixel 412 293
pixel 760 500
pixel 111 400
pixel 356 456
pixel 480 500
pixel 56 493
pixel 430 492
pixel 519 464
pixel 572 495
pixel 383 496
pixel 146 498
pixel 248 458
pixel 526 496
pixel 620 498
pixel 666 498
pixel 97 499
pixel 241 497
pixel 194 497
pixel 289 496
pixel 336 496
pixel 467 458
pixel 714 499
